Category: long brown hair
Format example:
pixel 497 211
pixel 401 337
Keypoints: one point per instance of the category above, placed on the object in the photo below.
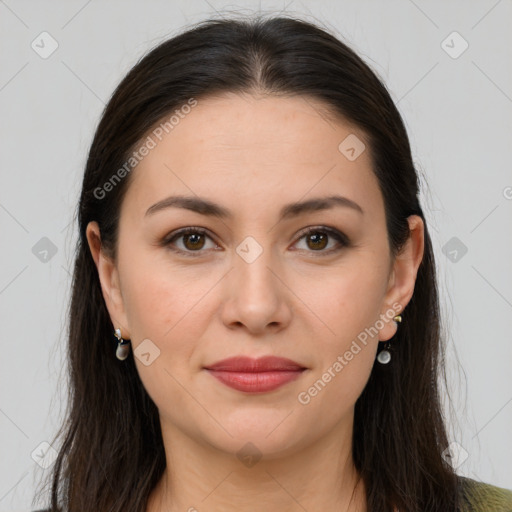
pixel 112 454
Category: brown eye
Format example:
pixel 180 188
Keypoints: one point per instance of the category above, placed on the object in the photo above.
pixel 317 239
pixel 193 241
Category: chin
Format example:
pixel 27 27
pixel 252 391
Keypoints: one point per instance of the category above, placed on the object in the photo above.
pixel 269 436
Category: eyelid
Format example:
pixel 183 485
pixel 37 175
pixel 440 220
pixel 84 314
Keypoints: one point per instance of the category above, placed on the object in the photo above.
pixel 336 233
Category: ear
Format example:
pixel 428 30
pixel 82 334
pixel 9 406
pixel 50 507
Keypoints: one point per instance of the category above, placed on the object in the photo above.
pixel 403 276
pixel 109 279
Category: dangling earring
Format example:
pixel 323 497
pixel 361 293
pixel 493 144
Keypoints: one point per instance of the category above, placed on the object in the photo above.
pixel 384 356
pixel 123 347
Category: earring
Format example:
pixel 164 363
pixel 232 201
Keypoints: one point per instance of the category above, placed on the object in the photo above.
pixel 384 356
pixel 123 346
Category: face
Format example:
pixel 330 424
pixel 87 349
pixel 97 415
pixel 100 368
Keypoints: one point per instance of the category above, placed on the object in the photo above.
pixel 263 279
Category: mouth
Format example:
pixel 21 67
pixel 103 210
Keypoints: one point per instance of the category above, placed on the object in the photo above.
pixel 256 375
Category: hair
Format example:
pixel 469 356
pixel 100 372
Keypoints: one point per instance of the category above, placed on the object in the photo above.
pixel 112 453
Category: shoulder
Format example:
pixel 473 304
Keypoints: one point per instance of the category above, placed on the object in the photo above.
pixel 480 496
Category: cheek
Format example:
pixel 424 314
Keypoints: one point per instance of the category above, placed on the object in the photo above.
pixel 348 307
pixel 151 306
pixel 158 297
pixel 343 366
pixel 163 309
pixel 168 306
pixel 348 301
pixel 331 395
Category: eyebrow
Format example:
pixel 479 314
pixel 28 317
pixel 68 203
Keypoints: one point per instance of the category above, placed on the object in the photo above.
pixel 209 208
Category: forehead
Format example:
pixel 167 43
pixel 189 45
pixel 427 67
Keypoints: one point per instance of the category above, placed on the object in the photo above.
pixel 265 149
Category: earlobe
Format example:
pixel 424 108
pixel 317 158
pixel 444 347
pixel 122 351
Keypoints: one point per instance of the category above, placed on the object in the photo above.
pixel 109 279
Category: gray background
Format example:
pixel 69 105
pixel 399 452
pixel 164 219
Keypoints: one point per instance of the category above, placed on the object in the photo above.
pixel 457 112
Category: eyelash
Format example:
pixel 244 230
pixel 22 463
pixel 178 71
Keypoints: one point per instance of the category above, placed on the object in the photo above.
pixel 338 236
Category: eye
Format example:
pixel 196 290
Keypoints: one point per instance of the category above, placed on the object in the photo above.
pixel 318 237
pixel 193 240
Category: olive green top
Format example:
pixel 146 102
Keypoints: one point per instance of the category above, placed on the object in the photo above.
pixel 482 497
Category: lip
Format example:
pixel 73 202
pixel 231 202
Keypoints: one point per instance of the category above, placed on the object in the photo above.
pixel 250 365
pixel 255 375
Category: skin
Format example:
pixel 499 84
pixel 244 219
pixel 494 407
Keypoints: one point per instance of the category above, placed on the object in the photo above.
pixel 254 154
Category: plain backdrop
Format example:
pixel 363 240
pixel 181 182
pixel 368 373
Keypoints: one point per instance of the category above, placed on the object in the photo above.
pixel 448 68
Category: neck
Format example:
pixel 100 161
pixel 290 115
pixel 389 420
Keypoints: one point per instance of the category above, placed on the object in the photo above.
pixel 199 477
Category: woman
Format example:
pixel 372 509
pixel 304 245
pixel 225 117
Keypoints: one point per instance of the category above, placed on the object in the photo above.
pixel 253 251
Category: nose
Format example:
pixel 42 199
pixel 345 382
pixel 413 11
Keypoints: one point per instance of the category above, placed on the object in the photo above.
pixel 257 297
